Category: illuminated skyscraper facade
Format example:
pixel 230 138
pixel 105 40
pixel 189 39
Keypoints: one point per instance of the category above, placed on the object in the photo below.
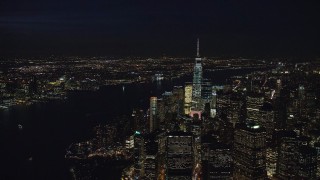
pixel 254 103
pixel 216 158
pixel 154 124
pixel 286 162
pixel 139 154
pixel 187 98
pixel 197 76
pixel 250 152
pixel 180 155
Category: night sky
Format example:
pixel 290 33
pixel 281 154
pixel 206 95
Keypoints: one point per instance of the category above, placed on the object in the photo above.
pixel 263 28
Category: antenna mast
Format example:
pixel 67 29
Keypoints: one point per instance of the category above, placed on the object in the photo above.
pixel 198 44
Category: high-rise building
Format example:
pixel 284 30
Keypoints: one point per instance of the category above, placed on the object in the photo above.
pixel 180 157
pixel 139 154
pixel 271 158
pixel 197 76
pixel 153 124
pixel 250 151
pixel 139 120
pixel 130 143
pixel 234 109
pixel 254 103
pixel 216 159
pixel 307 163
pixel 267 119
pixel 296 159
pixel 150 161
pixel 206 90
pixel 149 154
pixel 161 112
pixel 187 98
pixel 286 163
pixel 195 128
pixel 213 103
pixel 178 98
pixel 223 103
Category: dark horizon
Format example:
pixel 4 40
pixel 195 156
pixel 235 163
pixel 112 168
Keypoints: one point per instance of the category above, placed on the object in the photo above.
pixel 142 28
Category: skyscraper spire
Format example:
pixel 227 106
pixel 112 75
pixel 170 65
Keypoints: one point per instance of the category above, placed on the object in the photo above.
pixel 197 76
pixel 198 44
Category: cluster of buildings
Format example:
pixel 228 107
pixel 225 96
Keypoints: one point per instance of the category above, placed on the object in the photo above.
pixel 264 125
pixel 103 153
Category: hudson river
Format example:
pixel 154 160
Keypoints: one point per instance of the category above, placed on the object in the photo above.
pixel 36 151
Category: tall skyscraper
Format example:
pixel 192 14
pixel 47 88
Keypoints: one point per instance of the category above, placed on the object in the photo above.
pixel 250 151
pixel 139 154
pixel 286 162
pixel 197 76
pixel 154 124
pixel 267 119
pixel 187 98
pixel 180 155
pixel 216 158
pixel 150 160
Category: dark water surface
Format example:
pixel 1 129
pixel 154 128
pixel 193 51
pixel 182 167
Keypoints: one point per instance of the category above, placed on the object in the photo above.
pixel 37 151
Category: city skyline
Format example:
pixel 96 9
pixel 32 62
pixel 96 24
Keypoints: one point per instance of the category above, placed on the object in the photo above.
pixel 119 90
pixel 138 118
